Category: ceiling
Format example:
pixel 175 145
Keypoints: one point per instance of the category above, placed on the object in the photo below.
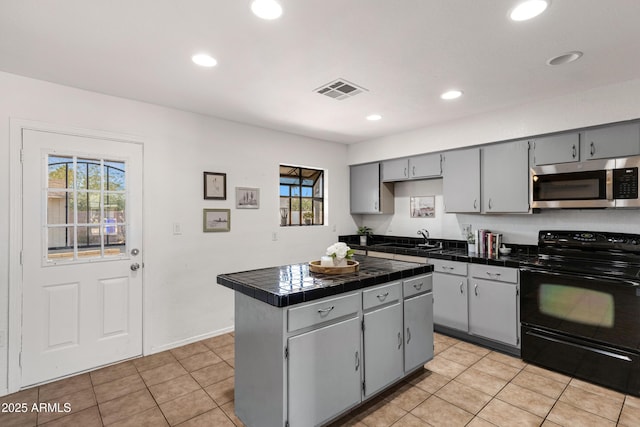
pixel 404 53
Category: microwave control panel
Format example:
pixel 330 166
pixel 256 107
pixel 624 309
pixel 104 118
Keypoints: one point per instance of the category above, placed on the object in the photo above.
pixel 625 183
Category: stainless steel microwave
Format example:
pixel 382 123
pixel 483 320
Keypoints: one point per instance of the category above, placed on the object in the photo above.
pixel 608 183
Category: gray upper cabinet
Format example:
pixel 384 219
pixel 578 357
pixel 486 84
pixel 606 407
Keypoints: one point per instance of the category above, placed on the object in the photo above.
pixel 461 180
pixel 368 194
pixel 505 178
pixel 612 141
pixel 395 170
pixel 564 148
pixel 426 166
pixel 418 167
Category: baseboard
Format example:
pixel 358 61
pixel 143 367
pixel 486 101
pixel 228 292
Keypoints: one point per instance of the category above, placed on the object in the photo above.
pixel 191 340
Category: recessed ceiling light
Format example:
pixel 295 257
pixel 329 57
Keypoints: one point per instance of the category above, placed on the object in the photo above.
pixel 204 60
pixel 529 9
pixel 565 58
pixel 266 9
pixel 374 117
pixel 452 94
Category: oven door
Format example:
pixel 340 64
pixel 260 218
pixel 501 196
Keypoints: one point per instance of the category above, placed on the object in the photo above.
pixel 593 308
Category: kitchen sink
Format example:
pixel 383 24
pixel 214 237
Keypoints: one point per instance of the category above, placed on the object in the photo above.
pixel 426 246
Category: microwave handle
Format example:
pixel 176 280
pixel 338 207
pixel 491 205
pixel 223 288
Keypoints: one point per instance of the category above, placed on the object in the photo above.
pixel 609 184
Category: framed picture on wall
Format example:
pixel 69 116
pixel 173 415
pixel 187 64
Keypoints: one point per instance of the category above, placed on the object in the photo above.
pixel 216 220
pixel 422 206
pixel 215 186
pixel 247 198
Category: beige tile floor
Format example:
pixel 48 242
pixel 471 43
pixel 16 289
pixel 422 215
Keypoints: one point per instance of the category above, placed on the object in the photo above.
pixel 464 385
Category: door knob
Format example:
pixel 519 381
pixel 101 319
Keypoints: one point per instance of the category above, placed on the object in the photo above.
pixel 135 266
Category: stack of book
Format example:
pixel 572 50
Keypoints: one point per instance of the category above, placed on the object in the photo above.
pixel 488 243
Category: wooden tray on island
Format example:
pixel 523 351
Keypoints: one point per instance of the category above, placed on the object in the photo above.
pixel 351 267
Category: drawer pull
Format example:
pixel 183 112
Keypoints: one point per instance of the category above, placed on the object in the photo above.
pixel 475 289
pixel 399 340
pixel 324 311
pixel 418 286
pixel 357 360
pixel 492 275
pixel 383 297
pixel 461 291
pixel 446 267
pixel 408 335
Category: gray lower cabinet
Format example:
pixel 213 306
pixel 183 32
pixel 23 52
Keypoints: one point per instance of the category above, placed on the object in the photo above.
pixel 461 180
pixel 494 304
pixel 324 372
pixel 450 307
pixel 505 177
pixel 611 141
pixel 418 331
pixel 562 148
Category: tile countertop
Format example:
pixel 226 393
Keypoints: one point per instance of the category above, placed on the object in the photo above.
pixel 292 284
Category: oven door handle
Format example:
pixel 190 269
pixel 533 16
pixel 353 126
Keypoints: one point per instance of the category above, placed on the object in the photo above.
pixel 614 281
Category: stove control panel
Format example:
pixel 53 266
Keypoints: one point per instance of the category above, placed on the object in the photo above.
pixel 589 240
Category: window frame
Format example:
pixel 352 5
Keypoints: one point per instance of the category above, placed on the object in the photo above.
pixel 297 191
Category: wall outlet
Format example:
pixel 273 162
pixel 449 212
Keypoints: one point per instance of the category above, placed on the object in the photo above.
pixel 274 236
pixel 177 228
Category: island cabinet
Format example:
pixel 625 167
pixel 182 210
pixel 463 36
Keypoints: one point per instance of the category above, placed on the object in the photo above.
pixel 368 194
pixel 305 363
pixel 450 307
pixel 611 141
pixel 505 177
pixel 461 180
pixel 494 303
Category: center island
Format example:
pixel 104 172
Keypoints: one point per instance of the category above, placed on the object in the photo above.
pixel 310 346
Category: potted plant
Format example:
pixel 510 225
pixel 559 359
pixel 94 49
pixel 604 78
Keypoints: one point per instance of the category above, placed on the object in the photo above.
pixel 307 216
pixel 364 232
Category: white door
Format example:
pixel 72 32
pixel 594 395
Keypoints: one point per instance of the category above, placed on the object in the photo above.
pixel 82 254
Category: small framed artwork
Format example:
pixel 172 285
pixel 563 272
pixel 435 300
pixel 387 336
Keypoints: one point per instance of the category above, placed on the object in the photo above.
pixel 216 220
pixel 423 206
pixel 215 186
pixel 247 198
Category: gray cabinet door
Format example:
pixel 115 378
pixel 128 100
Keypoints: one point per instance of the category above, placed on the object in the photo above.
pixel 563 148
pixel 324 372
pixel 365 188
pixel 613 141
pixel 418 331
pixel 505 177
pixel 493 310
pixel 450 307
pixel 395 170
pixel 461 180
pixel 425 166
pixel 383 347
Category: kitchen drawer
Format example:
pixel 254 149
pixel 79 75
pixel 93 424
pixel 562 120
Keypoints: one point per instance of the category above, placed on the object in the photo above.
pixel 449 267
pixel 497 274
pixel 381 295
pixel 417 285
pixel 323 311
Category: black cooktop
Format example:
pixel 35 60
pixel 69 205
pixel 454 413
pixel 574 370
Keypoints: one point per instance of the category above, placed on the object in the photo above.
pixel 590 253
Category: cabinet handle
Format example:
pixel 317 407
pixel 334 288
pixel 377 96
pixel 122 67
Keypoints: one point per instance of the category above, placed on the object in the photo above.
pixel 593 149
pixel 399 340
pixel 408 335
pixel 357 360
pixel 475 289
pixel 405 172
pixel 492 275
pixel 461 291
pixel 417 286
pixel 375 206
pixel 382 297
pixel 475 203
pixel 325 310
pixel 445 267
pixel 413 171
pixel 573 151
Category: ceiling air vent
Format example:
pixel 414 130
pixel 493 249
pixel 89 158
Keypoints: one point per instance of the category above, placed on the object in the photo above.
pixel 339 89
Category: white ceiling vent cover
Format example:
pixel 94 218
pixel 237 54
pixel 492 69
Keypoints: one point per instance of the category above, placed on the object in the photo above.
pixel 340 89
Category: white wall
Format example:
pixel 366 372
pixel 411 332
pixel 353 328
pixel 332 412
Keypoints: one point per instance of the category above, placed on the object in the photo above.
pixel 180 270
pixel 598 106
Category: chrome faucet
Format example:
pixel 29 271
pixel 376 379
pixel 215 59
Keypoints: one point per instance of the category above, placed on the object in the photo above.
pixel 425 234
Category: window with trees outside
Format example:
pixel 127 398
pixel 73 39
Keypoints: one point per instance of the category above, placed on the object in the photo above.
pixel 301 196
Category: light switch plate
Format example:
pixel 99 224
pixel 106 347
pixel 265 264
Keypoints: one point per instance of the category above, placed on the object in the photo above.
pixel 177 228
